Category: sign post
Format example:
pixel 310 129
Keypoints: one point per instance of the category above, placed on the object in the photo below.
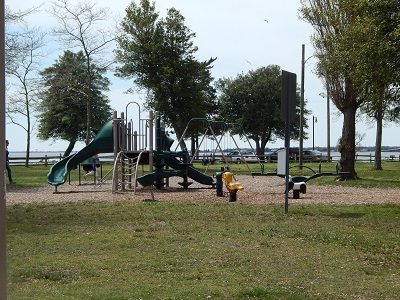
pixel 288 110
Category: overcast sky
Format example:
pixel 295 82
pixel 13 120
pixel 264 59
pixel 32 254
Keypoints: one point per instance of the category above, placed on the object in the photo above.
pixel 243 35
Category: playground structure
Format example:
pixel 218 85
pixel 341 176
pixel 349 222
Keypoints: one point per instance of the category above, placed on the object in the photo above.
pixel 132 149
pixel 163 163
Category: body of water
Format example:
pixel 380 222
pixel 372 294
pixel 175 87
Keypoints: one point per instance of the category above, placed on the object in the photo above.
pixel 53 156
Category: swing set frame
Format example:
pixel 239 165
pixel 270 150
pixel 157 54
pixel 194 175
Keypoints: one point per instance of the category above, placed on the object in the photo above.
pixel 209 126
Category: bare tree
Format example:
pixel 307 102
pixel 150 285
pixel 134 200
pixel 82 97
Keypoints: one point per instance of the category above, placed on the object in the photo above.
pixel 23 72
pixel 83 26
pixel 13 44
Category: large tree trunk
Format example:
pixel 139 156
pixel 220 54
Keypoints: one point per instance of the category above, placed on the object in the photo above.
pixel 347 147
pixel 69 148
pixel 378 141
pixel 264 140
pixel 194 142
pixel 258 146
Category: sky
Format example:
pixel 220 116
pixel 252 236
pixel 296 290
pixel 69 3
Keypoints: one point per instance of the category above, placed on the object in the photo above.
pixel 244 36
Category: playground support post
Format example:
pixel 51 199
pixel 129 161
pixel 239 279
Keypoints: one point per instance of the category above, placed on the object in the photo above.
pixel 151 137
pixel 129 136
pixel 135 140
pixel 116 150
pixel 122 136
pixel 126 113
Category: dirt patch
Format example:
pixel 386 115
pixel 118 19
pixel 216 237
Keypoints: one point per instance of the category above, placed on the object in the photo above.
pixel 257 190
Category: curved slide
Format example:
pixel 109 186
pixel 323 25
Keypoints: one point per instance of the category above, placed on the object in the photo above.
pixel 102 143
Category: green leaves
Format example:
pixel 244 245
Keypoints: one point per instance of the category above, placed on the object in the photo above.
pixel 158 53
pixel 251 102
pixel 65 97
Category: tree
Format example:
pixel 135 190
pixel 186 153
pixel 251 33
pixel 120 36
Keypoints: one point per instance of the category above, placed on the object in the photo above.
pixel 332 22
pixel 83 26
pixel 373 42
pixel 158 54
pixel 22 98
pixel 13 43
pixel 64 100
pixel 252 103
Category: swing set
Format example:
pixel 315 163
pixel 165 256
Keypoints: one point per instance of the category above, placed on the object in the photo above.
pixel 216 130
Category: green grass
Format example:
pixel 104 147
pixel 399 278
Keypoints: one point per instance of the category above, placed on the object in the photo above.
pixel 204 250
pixel 207 250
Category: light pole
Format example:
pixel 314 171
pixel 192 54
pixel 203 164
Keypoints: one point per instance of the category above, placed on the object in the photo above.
pixel 314 120
pixel 328 123
pixel 303 62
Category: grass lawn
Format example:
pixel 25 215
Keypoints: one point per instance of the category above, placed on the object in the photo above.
pixel 197 251
pixel 205 250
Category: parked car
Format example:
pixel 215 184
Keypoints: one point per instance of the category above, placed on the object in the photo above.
pixel 273 156
pixel 235 157
pixel 314 156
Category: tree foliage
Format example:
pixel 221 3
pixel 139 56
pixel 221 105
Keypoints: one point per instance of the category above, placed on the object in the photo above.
pixel 158 54
pixel 64 99
pixel 357 45
pixel 373 42
pixel 252 104
pixel 83 26
pixel 332 21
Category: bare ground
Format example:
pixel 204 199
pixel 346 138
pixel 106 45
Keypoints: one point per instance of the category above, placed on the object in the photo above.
pixel 257 190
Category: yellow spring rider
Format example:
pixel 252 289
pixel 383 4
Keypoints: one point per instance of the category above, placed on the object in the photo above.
pixel 232 185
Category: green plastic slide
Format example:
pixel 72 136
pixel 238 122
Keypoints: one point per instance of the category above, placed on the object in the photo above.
pixel 193 173
pixel 169 160
pixel 102 143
